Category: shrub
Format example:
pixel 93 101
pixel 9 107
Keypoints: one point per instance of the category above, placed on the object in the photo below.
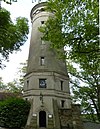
pixel 14 112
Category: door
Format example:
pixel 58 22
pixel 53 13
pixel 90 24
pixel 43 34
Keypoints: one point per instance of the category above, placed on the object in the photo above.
pixel 42 119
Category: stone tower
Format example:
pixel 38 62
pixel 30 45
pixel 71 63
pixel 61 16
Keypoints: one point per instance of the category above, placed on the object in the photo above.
pixel 46 81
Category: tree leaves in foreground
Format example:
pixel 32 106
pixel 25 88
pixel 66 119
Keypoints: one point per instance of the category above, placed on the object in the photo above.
pixel 12 36
pixel 75 24
pixel 14 113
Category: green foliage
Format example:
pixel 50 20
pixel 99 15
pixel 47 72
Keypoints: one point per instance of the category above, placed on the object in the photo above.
pixel 12 36
pixel 2 85
pixel 18 83
pixel 84 86
pixel 75 24
pixel 16 86
pixel 13 87
pixel 14 112
pixel 22 73
pixel 9 1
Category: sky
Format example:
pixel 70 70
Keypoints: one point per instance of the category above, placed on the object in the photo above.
pixel 21 8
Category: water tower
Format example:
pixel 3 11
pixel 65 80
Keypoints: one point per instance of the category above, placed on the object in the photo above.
pixel 46 81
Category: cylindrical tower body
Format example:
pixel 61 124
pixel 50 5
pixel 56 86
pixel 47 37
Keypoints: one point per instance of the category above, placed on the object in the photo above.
pixel 40 50
pixel 46 81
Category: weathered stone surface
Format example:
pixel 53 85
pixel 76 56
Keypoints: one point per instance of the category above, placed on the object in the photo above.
pixel 91 125
pixel 71 118
pixel 53 99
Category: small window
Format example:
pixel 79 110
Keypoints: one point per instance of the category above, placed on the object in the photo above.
pixel 42 22
pixel 42 41
pixel 42 83
pixel 42 9
pixel 27 83
pixel 62 103
pixel 42 60
pixel 61 85
pixel 26 99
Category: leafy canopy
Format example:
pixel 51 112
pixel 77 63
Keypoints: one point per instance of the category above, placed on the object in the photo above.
pixel 85 87
pixel 74 24
pixel 12 36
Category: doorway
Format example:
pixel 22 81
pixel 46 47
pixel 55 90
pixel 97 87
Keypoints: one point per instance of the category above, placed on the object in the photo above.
pixel 42 119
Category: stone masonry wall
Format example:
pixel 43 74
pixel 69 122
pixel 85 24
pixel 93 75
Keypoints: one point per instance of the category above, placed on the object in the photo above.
pixel 71 118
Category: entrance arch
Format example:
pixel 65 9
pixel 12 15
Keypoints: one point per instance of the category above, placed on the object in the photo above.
pixel 42 119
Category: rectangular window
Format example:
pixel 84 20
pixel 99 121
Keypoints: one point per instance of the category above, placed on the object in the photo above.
pixel 42 22
pixel 62 103
pixel 42 60
pixel 42 83
pixel 61 85
pixel 27 83
pixel 26 99
pixel 42 41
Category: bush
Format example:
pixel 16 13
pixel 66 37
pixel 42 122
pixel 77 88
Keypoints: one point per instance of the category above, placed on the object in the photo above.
pixel 14 112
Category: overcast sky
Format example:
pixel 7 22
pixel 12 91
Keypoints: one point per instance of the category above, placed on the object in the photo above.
pixel 20 8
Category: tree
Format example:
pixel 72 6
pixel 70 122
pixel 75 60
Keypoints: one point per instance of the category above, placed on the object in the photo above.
pixel 12 87
pixel 18 83
pixel 74 24
pixel 22 72
pixel 84 86
pixel 12 36
pixel 16 86
pixel 9 1
pixel 14 113
pixel 2 85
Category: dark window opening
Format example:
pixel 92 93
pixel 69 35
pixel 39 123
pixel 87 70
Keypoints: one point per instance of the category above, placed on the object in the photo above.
pixel 26 99
pixel 42 60
pixel 62 103
pixel 42 83
pixel 27 83
pixel 42 22
pixel 42 9
pixel 61 85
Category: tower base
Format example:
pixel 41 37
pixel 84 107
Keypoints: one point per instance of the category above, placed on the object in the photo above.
pixel 64 119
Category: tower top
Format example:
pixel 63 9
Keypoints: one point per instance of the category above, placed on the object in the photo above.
pixel 37 8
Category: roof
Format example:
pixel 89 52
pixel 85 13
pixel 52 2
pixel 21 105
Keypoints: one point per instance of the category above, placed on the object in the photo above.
pixel 4 95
